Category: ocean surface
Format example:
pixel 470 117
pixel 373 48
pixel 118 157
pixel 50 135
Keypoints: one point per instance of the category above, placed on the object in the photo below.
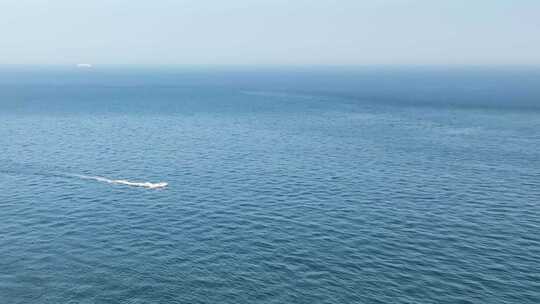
pixel 269 185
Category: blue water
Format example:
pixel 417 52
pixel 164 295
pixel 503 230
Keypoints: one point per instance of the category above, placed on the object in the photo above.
pixel 285 185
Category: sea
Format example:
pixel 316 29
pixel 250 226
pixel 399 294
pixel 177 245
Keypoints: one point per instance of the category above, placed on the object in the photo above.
pixel 292 184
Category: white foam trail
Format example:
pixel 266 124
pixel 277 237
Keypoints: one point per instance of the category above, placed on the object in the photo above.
pixel 124 182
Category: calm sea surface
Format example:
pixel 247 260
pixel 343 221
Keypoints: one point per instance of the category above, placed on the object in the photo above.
pixel 291 185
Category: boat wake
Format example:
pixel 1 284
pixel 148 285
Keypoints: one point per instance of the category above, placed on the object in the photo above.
pixel 124 182
pixel 8 167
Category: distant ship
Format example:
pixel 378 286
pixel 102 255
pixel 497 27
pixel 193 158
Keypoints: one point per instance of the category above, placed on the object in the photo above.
pixel 84 65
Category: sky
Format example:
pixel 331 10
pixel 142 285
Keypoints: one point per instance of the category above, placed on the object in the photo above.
pixel 270 32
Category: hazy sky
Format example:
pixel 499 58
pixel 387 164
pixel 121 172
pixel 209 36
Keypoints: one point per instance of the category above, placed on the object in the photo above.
pixel 270 32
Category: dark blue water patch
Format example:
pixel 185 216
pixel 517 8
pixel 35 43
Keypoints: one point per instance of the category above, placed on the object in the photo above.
pixel 469 87
pixel 273 196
